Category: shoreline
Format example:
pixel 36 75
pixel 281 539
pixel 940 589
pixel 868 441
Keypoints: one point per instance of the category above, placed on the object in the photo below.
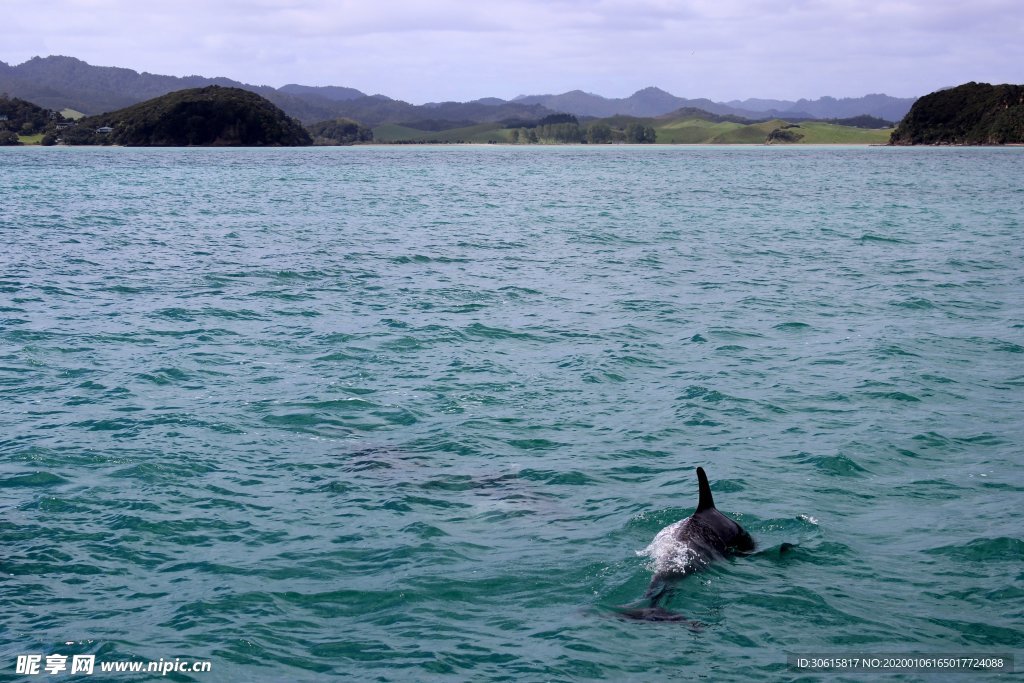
pixel 541 145
pixel 661 145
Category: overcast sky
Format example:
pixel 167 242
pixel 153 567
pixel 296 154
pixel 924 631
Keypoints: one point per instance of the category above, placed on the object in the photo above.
pixel 462 50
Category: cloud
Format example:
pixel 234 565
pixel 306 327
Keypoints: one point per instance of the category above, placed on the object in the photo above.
pixel 448 49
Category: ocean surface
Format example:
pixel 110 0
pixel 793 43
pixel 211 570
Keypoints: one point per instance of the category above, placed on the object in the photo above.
pixel 410 413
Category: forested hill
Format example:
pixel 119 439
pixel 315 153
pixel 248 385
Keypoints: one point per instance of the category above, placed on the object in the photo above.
pixel 969 114
pixel 19 117
pixel 210 116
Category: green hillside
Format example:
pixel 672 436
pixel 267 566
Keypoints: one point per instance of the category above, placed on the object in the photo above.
pixel 820 133
pixel 690 129
pixel 750 134
pixel 695 131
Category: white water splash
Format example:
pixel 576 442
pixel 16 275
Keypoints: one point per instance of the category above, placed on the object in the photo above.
pixel 669 554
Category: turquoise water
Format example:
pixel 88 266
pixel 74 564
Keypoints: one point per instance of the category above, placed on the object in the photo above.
pixel 409 413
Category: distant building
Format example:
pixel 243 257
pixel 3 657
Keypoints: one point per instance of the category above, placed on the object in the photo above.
pixel 103 130
pixel 65 124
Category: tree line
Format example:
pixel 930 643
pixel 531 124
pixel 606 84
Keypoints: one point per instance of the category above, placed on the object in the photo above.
pixel 566 129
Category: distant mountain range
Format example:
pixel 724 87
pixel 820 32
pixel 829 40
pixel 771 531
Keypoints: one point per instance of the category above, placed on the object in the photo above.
pixel 656 102
pixel 65 82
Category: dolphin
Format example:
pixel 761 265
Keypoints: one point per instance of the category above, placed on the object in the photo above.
pixel 687 547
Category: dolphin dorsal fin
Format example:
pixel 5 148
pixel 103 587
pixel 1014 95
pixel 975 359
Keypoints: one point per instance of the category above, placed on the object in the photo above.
pixel 706 502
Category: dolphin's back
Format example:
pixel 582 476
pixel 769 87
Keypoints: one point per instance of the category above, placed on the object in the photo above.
pixel 686 547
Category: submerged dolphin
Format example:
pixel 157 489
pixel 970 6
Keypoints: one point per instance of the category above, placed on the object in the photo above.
pixel 686 547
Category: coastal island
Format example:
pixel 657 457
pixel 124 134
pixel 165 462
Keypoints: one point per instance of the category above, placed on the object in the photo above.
pixel 969 114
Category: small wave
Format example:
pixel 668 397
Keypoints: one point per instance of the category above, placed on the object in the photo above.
pixel 122 424
pixel 174 314
pixel 186 315
pixel 310 423
pixel 701 420
pixel 984 439
pixel 516 291
pixel 242 314
pixel 569 477
pixel 32 479
pixel 932 439
pixel 894 396
pixel 832 465
pixel 125 289
pixel 534 444
pixel 423 258
pixel 464 308
pixel 868 238
pixel 891 350
pixel 353 354
pixel 695 391
pixel 647 305
pixel 1000 549
pixel 164 376
pixel 792 327
pixel 731 333
pixel 483 331
pixel 915 304
pixel 339 404
pixel 930 489
pixel 282 295
pixel 600 378
pixel 294 274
